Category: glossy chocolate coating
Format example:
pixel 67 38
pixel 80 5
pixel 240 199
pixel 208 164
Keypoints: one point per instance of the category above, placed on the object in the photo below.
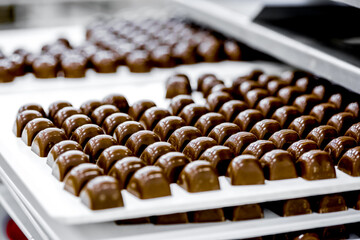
pixel 183 52
pixel 338 146
pixel 322 135
pixel 56 106
pixel 6 70
pixel 110 155
pixel 354 132
pixel 259 148
pixel 83 133
pixel 201 79
pixel 73 122
pixel 198 176
pixel 208 84
pixel 254 96
pixel 239 141
pixel 151 154
pixel 124 169
pixel 285 115
pixel 303 125
pixel 182 136
pixel 329 203
pixel 223 131
pixel 138 61
pixel 232 50
pixel 247 86
pixel 172 163
pixel 161 57
pixel 291 207
pixel 152 116
pixel 244 212
pixel 335 232
pixel 215 100
pixel 24 118
pixel 316 164
pixel 101 192
pixel 284 138
pixel 302 146
pixel 89 106
pixel 323 112
pixel 34 127
pixel 63 114
pixel 209 49
pixel 138 108
pixel 46 139
pixel 269 105
pixel 179 102
pixel 353 108
pixel 73 65
pixel 114 120
pixel 197 146
pixel 265 128
pixel 192 112
pixel 118 101
pixel 232 108
pixel 104 62
pixel 221 88
pixel 66 161
pixel 264 79
pixel 166 126
pixel 125 130
pixel 102 112
pixel 337 100
pixel 219 157
pixel 149 182
pixel 211 215
pixel 79 175
pixel 278 164
pixel 32 106
pixel 45 66
pixel 245 170
pixel 177 85
pixel 342 122
pixel 97 144
pixel 60 148
pixel 350 162
pixel 306 102
pixel 275 85
pixel 138 141
pixel 175 218
pixel 288 94
pixel 208 121
pixel 247 119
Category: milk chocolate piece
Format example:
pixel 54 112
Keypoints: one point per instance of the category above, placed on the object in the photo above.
pixel 179 102
pixel 125 130
pixel 269 105
pixel 118 101
pixel 101 192
pixel 73 65
pixel 278 164
pixel 323 112
pixel 167 126
pixel 89 106
pixel 175 218
pixel 259 148
pixel 124 169
pixel 300 147
pixel 350 162
pixel 6 74
pixel 338 146
pixel 244 212
pixel 285 115
pixel 329 203
pixel 97 144
pixel 201 79
pixel 149 182
pixel 138 61
pixel 45 66
pixel 239 141
pixel 221 88
pixel 46 139
pixel 138 108
pixel 245 170
pixel 83 133
pixel 232 50
pixel 223 131
pixel 63 114
pixel 265 128
pixel 284 138
pixel 353 108
pixel 110 155
pixel 209 49
pixel 79 175
pixel 232 108
pixel 288 94
pixel 247 119
pixel 183 52
pixel 34 127
pixel 182 136
pixel 197 146
pixel 322 135
pixel 303 125
pixel 138 141
pixel 59 149
pixel 264 79
pixel 24 118
pixel 192 112
pixel 56 106
pixel 66 161
pixel 143 220
pixel 151 154
pixel 102 112
pixel 306 102
pixel 247 86
pixel 104 61
pixel 114 120
pixel 211 215
pixel 342 122
pixel 152 116
pixel 199 176
pixel 208 121
pixel 275 85
pixel 161 57
pixel 315 165
pixel 208 84
pixel 73 122
pixel 217 99
pixel 177 85
pixel 32 106
pixel 354 132
pixel 292 207
pixel 335 232
pixel 172 163
pixel 293 75
pixel 254 96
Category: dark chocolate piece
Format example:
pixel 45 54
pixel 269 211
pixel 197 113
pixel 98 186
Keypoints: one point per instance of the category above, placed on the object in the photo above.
pixel 179 102
pixel 89 106
pixel 323 112
pixel 316 164
pixel 300 147
pixel 124 169
pixel 167 126
pixel 349 163
pixel 102 112
pixel 125 130
pixel 197 146
pixel 265 128
pixel 269 105
pixel 46 139
pixel 73 122
pixel 278 164
pixel 208 121
pixel 342 122
pixel 303 125
pixel 245 170
pixel 151 154
pixel 172 163
pixel 83 133
pixel 259 148
pixel 335 232
pixel 239 141
pixel 244 212
pixel 60 148
pixel 353 108
pixel 66 161
pixel 216 100
pixel 306 102
pixel 182 136
pixel 110 155
pixel 284 138
pixel 322 135
pixel 56 106
pixel 138 108
pixel 285 115
pixel 354 132
pixel 329 203
pixel 114 120
pixel 223 131
pixel 138 141
pixel 63 114
pixel 338 146
pixel 118 101
pixel 97 144
pixel 232 108
pixel 32 106
pixel 152 116
pixel 34 127
pixel 247 119
pixel 192 112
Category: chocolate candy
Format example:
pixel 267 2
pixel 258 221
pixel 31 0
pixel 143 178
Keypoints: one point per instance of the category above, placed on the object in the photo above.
pixel 151 154
pixel 45 66
pixel 149 182
pixel 114 120
pixel 78 176
pixel 182 136
pixel 316 164
pixel 338 146
pixel 291 207
pixel 104 62
pixel 183 52
pixel 323 112
pixel 125 130
pixel 102 112
pixel 118 101
pixel 232 108
pixel 209 49
pixel 89 106
pixel 223 131
pixel 179 102
pixel 172 163
pixel 161 57
pixel 60 148
pixel 349 162
pixel 6 68
pixel 335 232
pixel 208 121
pixel 306 102
pixel 192 112
pixel 124 169
pixel 32 106
pixel 63 114
pixel 259 148
pixel 303 125
pixel 73 122
pixel 269 105
pixel 56 106
pixel 152 116
pixel 247 119
pixel 289 93
pixel 211 215
pixel 300 147
pixel 342 122
pixel 329 203
pixel 265 128
pixel 273 86
pixel 247 86
pixel 22 119
pixel 138 141
pixel 254 96
pixel 217 99
pixel 177 85
pixel 337 100
pixel 138 108
pixel 219 157
pixel 322 135
pixel 197 146
pixel 198 176
pixel 83 133
pixel 66 161
pixel 110 155
pixel 354 132
pixel 232 50
pixel 175 218
pixel 138 61
pixel 101 192
pixel 167 126
pixel 34 127
pixel 284 138
pixel 73 65
pixel 97 144
pixel 46 139
pixel 285 115
pixel 202 78
pixel 245 170
pixel 239 141
pixel 244 212
pixel 278 164
pixel 353 108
